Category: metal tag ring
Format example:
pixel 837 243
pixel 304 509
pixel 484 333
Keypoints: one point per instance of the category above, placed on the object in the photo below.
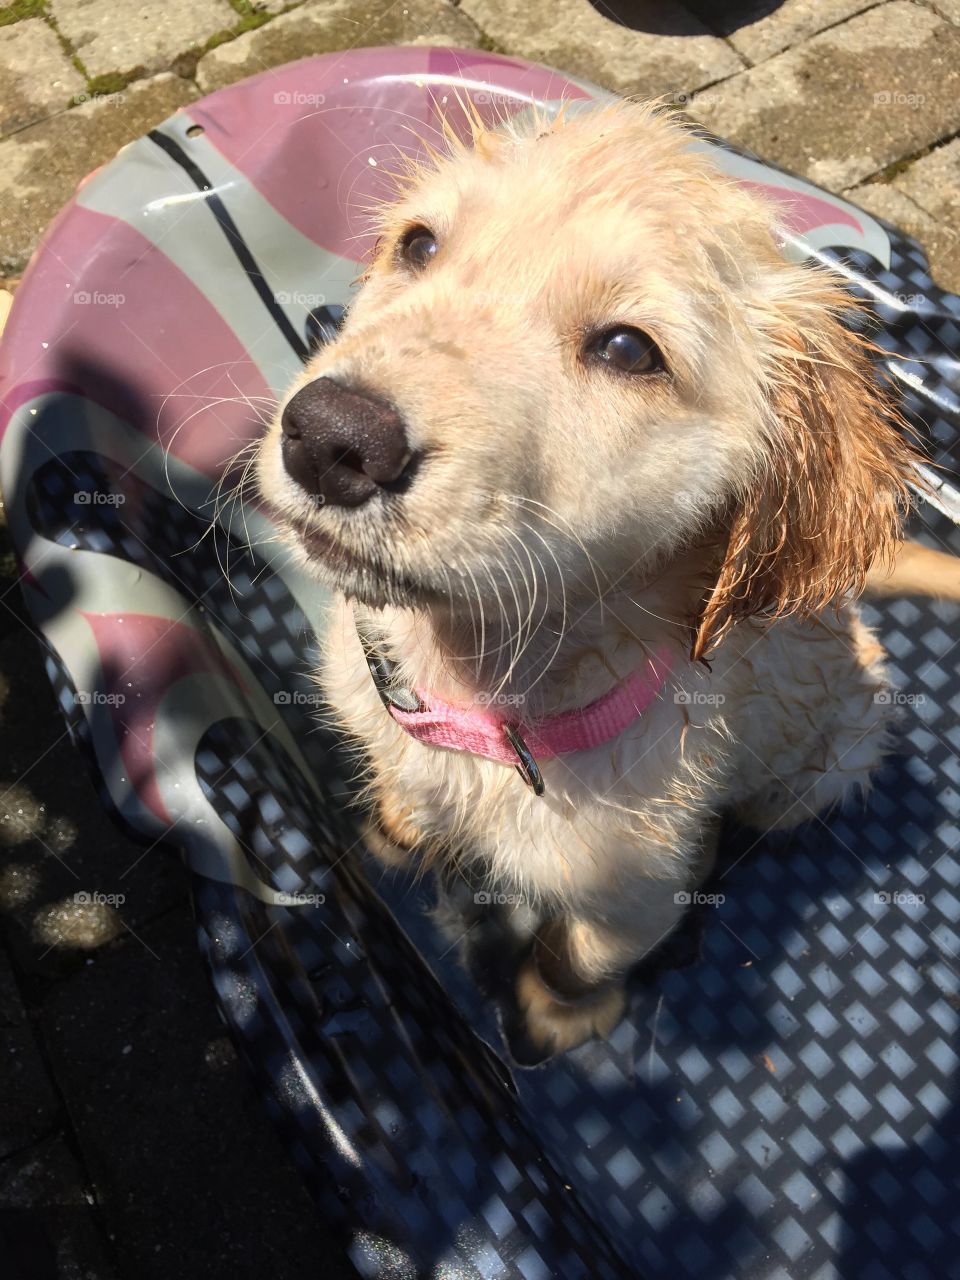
pixel 527 766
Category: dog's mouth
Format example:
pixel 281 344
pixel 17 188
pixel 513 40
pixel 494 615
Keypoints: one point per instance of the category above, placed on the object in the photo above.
pixel 369 579
pixel 332 552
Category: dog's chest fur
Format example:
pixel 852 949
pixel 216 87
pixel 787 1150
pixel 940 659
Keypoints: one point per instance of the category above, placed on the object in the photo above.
pixel 784 723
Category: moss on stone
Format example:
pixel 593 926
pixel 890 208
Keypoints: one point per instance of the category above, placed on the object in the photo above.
pixel 249 22
pixel 105 85
pixel 68 50
pixel 10 13
pixel 887 175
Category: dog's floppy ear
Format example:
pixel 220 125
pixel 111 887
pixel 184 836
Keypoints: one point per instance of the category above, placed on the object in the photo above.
pixel 830 487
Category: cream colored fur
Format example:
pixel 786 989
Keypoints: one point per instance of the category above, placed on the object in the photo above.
pixel 566 520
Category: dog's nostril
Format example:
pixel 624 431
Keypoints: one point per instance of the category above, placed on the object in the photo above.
pixel 288 423
pixel 350 458
pixel 344 445
pixel 298 463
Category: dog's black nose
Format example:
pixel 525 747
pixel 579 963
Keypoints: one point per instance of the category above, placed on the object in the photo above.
pixel 343 446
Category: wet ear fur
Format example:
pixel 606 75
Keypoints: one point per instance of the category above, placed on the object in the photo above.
pixel 830 488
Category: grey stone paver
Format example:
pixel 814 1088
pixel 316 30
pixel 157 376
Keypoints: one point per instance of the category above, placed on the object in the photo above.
pixel 933 182
pixel 110 37
pixel 41 166
pixel 758 31
pixel 674 53
pixel 840 104
pixel 949 8
pixel 850 101
pixel 47 1215
pixel 36 76
pixel 339 24
pixel 924 200
pixel 47 857
pixel 941 244
pixel 28 1103
pixel 189 1175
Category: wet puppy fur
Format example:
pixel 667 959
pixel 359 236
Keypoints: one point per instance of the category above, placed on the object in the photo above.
pixel 632 425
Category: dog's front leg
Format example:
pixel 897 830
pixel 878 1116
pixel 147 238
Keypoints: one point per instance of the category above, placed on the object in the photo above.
pixel 562 1007
pixel 571 986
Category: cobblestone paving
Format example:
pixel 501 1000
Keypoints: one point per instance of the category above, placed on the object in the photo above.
pixel 130 1144
pixel 861 97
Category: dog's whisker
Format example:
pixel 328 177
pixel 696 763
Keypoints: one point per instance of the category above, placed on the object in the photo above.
pixel 526 628
pixel 513 641
pixel 226 506
pixel 565 529
pixel 531 583
pixel 562 631
pixel 478 656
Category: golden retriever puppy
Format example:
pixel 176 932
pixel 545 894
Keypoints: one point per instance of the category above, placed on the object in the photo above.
pixel 597 474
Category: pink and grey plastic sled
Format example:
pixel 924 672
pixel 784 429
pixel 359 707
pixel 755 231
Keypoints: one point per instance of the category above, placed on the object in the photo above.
pixel 782 1100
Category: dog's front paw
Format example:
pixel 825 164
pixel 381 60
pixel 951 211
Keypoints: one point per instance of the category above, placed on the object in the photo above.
pixel 383 849
pixel 391 834
pixel 552 1025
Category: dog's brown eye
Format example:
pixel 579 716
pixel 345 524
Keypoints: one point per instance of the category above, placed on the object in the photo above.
pixel 418 246
pixel 628 350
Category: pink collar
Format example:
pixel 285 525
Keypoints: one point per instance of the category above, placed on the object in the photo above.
pixel 482 731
